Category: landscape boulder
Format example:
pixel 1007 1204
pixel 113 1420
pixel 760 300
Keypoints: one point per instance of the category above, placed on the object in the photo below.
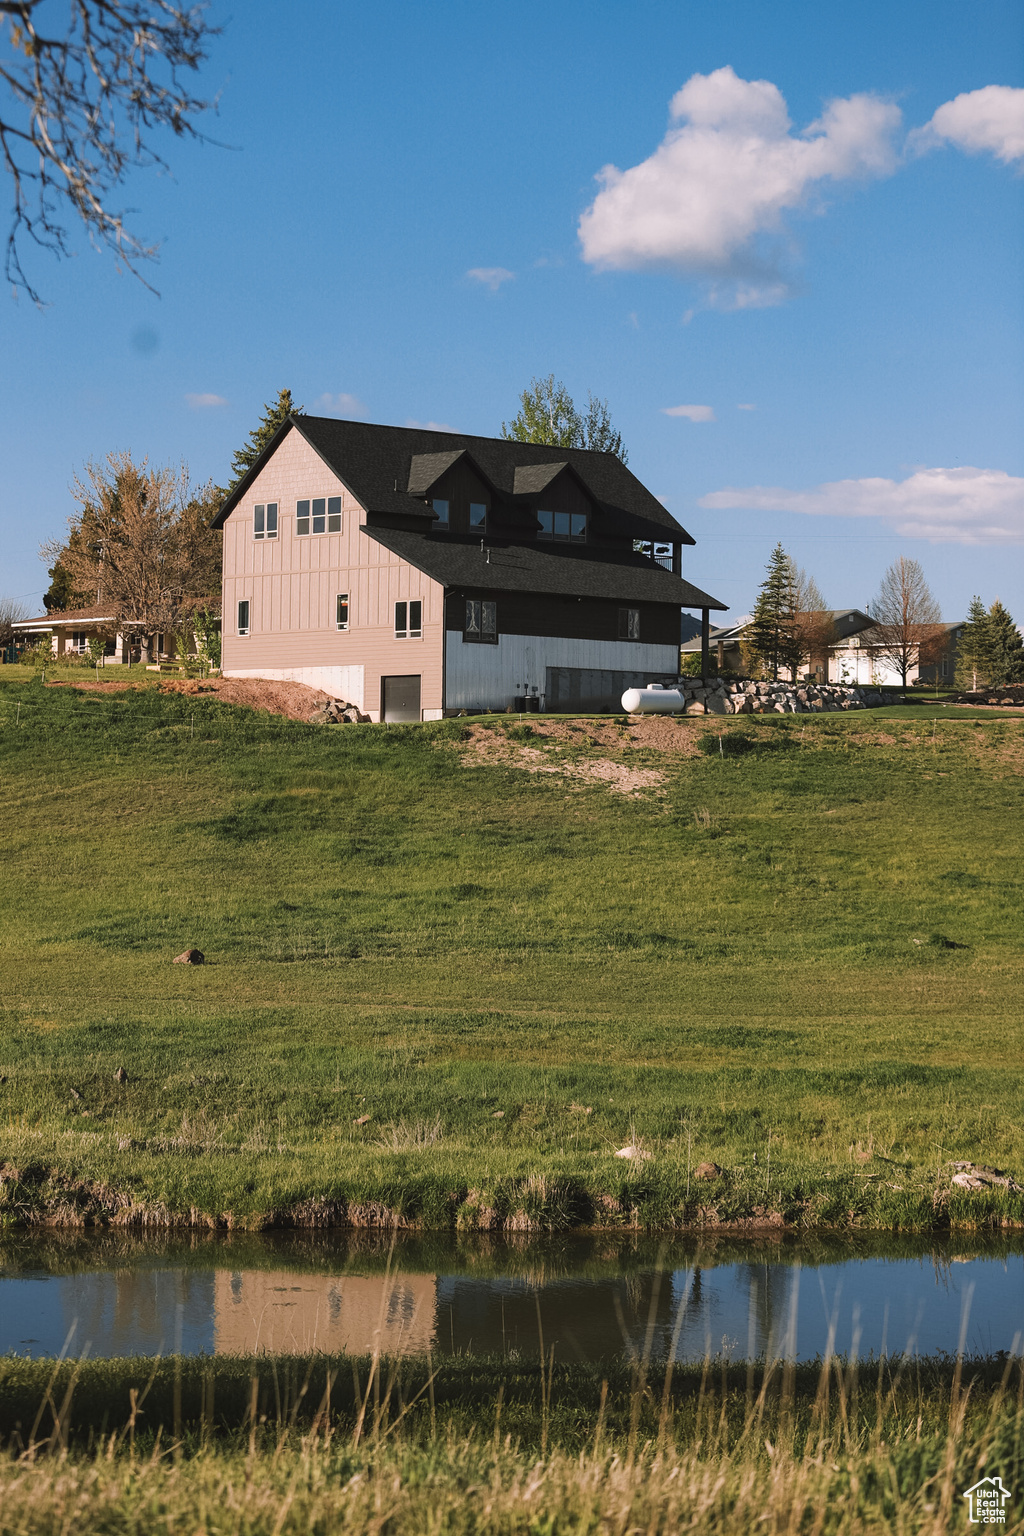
pixel 189 957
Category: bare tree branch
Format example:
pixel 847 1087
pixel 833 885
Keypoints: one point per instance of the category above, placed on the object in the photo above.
pixel 81 107
pixel 906 615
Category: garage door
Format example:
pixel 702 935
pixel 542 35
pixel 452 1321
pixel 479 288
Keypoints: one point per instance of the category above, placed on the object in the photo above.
pixel 400 698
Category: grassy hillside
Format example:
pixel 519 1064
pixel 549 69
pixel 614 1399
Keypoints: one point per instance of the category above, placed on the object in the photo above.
pixel 801 961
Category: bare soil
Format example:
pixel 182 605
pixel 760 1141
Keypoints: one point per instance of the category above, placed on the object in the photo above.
pixel 294 700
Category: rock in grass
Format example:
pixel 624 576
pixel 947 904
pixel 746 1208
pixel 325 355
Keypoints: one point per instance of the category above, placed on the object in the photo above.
pixel 707 1171
pixel 363 1120
pixel 634 1153
pixel 499 1114
pixel 189 957
pixel 975 1176
pixel 120 1076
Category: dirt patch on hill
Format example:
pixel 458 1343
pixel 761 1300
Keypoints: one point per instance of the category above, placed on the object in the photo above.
pixel 495 746
pixel 294 700
pixel 659 733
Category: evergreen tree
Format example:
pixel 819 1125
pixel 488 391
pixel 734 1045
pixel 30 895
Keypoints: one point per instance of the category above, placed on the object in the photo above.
pixel 974 651
pixel 274 416
pixel 1007 647
pixel 548 414
pixel 773 638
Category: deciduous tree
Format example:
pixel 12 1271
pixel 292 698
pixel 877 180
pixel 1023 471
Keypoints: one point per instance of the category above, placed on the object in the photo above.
pixel 814 629
pixel 548 414
pixel 141 544
pixel 83 102
pixel 906 615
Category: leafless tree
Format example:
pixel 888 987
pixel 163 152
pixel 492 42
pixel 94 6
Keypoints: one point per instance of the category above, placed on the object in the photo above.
pixel 11 610
pixel 83 102
pixel 906 616
pixel 141 540
pixel 813 625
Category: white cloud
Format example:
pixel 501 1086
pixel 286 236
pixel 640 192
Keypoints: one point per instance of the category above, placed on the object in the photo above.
pixel 691 412
pixel 204 402
pixel 491 277
pixel 339 405
pixel 430 426
pixel 992 119
pixel 946 506
pixel 722 178
pixel 746 407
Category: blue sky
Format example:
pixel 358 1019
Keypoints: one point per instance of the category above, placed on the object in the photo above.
pixel 411 218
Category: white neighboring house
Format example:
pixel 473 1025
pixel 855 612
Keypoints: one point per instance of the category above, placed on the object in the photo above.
pixel 855 655
pixel 70 632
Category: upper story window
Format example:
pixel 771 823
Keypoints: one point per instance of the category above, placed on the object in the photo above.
pixel 409 621
pixel 342 610
pixel 567 527
pixel 481 621
pixel 264 521
pixel 629 623
pixel 243 617
pixel 477 515
pixel 443 510
pixel 321 515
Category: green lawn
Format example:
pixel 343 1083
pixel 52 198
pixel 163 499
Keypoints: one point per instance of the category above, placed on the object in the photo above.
pixel 802 961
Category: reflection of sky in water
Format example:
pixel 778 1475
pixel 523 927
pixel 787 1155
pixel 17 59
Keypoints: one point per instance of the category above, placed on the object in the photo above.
pixel 746 1307
pixel 872 1305
pixel 119 1312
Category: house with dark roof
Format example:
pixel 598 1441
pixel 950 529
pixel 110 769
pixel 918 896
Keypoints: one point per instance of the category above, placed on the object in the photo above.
pixel 417 573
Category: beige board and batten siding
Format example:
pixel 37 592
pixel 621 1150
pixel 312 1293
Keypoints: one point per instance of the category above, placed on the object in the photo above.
pixel 292 583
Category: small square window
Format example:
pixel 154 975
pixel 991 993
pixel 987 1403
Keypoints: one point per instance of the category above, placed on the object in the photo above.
pixel 629 623
pixel 320 515
pixel 271 519
pixel 334 514
pixel 259 522
pixel 342 610
pixel 243 617
pixel 443 510
pixel 302 517
pixel 477 514
pixel 481 622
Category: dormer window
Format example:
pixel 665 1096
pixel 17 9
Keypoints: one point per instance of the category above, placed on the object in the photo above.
pixel 563 527
pixel 477 515
pixel 443 510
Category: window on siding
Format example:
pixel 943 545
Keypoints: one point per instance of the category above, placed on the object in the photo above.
pixel 320 515
pixel 443 510
pixel 477 514
pixel 343 610
pixel 565 527
pixel 481 621
pixel 264 521
pixel 629 623
pixel 243 617
pixel 409 621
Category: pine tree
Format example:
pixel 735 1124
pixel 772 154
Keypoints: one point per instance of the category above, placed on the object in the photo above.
pixel 974 651
pixel 1007 647
pixel 772 638
pixel 274 416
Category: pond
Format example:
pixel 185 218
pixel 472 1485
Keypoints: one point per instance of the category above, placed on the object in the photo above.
pixel 594 1296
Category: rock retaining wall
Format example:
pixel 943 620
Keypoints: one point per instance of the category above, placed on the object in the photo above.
pixel 718 697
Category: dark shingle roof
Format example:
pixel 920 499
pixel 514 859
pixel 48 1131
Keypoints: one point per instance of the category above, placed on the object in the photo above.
pixel 376 463
pixel 559 570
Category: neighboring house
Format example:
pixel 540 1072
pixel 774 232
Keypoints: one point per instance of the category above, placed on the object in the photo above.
pixel 416 573
pixel 854 655
pixel 70 632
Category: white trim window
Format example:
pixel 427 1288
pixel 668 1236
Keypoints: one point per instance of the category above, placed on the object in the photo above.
pixel 243 616
pixel 409 621
pixel 341 611
pixel 321 514
pixel 264 520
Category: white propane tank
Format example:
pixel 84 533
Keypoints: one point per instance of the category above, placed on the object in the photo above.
pixel 655 699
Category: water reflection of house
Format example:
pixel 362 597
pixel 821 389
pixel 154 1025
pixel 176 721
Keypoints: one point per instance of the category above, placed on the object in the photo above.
pixel 290 1313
